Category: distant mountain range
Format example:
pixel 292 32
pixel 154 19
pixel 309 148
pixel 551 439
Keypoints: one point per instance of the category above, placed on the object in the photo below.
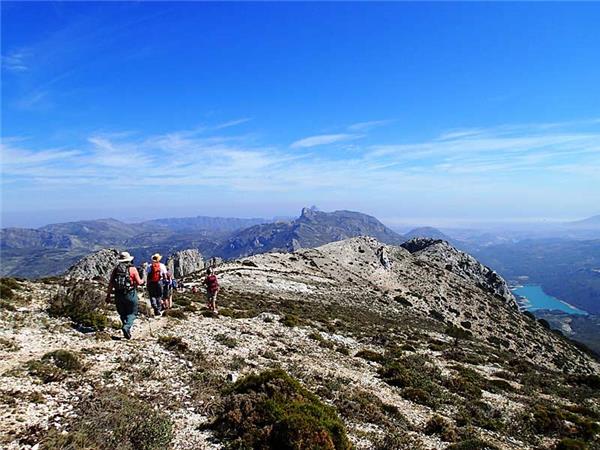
pixel 312 229
pixel 51 249
pixel 589 223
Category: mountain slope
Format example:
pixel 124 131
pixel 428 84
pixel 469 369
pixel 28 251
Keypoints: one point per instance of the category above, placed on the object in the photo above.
pixel 408 354
pixel 311 229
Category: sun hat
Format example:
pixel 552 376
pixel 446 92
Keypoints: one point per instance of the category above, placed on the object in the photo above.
pixel 156 257
pixel 125 257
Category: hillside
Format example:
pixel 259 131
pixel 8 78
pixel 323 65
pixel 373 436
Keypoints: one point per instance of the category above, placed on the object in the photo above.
pixel 390 350
pixel 311 229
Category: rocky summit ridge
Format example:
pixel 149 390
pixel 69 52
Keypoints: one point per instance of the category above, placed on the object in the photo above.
pixel 392 348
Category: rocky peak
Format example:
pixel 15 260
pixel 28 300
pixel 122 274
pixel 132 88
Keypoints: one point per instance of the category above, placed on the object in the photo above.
pixel 308 213
pixel 98 264
pixel 443 254
pixel 184 262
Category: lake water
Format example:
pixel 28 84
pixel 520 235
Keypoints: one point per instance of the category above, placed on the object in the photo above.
pixel 538 299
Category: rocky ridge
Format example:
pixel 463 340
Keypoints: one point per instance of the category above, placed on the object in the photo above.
pixel 393 342
pixel 96 265
pixel 443 254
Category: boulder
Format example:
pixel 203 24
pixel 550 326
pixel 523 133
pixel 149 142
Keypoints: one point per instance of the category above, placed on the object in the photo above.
pixel 184 262
pixel 96 265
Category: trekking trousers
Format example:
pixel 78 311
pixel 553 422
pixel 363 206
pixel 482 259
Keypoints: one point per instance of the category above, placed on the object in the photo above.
pixel 127 307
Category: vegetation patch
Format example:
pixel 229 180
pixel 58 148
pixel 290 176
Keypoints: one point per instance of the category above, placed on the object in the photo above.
pixel 113 420
pixel 272 410
pixel 8 345
pixel 177 313
pixel 360 405
pixel 480 414
pixel 82 302
pixel 441 427
pixel 458 333
pixel 370 355
pixel 472 444
pixel 8 286
pixel 225 340
pixel 54 366
pixel 173 343
pixel 417 375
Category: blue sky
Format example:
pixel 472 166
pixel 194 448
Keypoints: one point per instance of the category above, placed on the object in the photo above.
pixel 414 112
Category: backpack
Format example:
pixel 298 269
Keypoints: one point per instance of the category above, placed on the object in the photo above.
pixel 122 279
pixel 155 272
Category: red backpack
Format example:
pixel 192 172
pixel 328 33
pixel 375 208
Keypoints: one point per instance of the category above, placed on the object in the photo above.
pixel 155 272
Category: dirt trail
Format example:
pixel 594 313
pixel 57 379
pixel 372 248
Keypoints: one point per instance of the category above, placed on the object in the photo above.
pixel 34 342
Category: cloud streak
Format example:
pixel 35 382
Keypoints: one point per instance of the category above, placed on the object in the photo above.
pixel 486 161
pixel 324 139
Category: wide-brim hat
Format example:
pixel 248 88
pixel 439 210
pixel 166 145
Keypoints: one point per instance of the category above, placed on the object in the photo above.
pixel 156 257
pixel 125 257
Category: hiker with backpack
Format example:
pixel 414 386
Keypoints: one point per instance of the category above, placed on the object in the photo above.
pixel 212 289
pixel 157 272
pixel 124 280
pixel 168 284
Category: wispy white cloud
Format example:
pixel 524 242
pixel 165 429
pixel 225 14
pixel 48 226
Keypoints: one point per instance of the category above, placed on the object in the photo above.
pixel 482 160
pixel 16 61
pixel 324 139
pixel 366 126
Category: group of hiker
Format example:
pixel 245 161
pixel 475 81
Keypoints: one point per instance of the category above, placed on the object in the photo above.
pixel 160 283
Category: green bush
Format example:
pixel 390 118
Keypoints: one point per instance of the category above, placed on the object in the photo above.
pixel 82 302
pixel 571 444
pixel 458 333
pixel 442 427
pixel 63 359
pixel 363 406
pixel 54 366
pixel 290 320
pixel 175 313
pixel 472 444
pixel 7 288
pixel 417 375
pixel 112 420
pixel 370 355
pixel 272 410
pixel 173 343
pixel 225 340
pixel 481 414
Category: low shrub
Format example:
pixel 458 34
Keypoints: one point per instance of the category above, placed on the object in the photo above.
pixel 480 414
pixel 442 427
pixel 571 444
pixel 54 366
pixel 458 333
pixel 9 345
pixel 272 410
pixel 7 288
pixel 113 420
pixel 472 444
pixel 290 320
pixel 370 355
pixel 82 302
pixel 225 340
pixel 417 375
pixel 173 343
pixel 175 313
pixel 360 405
